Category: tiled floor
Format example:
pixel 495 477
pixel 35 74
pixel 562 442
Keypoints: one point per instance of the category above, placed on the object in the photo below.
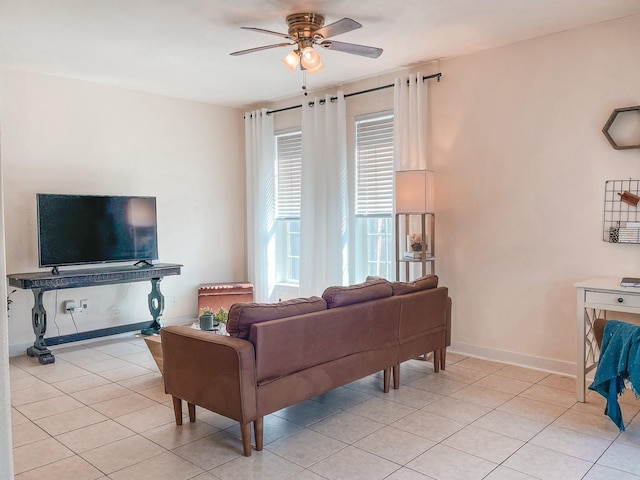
pixel 100 412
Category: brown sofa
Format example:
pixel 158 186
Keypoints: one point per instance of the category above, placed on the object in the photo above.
pixel 281 354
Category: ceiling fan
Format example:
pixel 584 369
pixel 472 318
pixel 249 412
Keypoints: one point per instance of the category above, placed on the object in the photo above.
pixel 307 30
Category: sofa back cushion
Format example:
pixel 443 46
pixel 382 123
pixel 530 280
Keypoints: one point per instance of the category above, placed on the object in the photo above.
pixel 358 293
pixel 285 346
pixel 423 283
pixel 243 315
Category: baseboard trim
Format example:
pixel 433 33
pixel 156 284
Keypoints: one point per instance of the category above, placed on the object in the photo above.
pixel 513 358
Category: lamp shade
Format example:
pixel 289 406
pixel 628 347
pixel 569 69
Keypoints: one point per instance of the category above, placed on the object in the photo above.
pixel 309 58
pixel 292 60
pixel 414 191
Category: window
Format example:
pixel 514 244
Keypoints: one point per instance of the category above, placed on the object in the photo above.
pixel 374 195
pixel 288 171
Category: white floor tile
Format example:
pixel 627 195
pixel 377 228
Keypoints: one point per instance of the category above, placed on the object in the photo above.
pixel 260 466
pixel 598 472
pixel 491 446
pixel 305 447
pixel 546 464
pixel 428 425
pixel 459 410
pixel 346 427
pixel 622 457
pixel 509 424
pixel 395 445
pixel 354 464
pixel 445 463
pixel 570 442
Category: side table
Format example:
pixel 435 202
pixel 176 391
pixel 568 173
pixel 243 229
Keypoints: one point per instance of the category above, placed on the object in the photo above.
pixel 154 342
pixel 595 297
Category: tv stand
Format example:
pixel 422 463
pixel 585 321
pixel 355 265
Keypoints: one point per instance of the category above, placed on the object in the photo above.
pixel 41 282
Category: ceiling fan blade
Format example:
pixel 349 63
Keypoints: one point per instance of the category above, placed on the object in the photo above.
pixel 270 32
pixel 371 52
pixel 337 28
pixel 257 49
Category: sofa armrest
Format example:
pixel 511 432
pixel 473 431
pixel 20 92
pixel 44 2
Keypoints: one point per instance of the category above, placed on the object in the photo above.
pixel 213 371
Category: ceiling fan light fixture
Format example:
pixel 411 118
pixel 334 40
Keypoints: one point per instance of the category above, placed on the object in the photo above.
pixel 316 69
pixel 307 30
pixel 292 60
pixel 310 59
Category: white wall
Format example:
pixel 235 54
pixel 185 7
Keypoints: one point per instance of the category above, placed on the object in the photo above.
pixel 521 166
pixel 67 136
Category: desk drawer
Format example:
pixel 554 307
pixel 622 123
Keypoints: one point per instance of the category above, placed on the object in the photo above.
pixel 613 299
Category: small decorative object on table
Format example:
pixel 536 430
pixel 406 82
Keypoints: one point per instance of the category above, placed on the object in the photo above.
pixel 415 240
pixel 210 320
pixel 206 318
pixel 221 316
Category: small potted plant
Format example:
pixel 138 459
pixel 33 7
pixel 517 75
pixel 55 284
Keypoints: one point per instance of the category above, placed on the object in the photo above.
pixel 221 316
pixel 206 318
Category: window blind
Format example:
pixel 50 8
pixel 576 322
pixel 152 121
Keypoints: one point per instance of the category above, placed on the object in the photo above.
pixel 374 165
pixel 289 171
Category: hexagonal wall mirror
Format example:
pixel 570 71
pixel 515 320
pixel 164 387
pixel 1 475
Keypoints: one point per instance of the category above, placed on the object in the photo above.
pixel 623 128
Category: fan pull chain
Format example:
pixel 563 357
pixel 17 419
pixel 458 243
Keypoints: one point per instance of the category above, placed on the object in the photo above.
pixel 304 82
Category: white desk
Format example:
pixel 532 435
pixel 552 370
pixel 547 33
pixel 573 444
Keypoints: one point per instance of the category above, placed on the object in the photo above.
pixel 595 297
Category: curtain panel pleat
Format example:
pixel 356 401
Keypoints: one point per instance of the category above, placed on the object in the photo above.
pixel 410 123
pixel 260 196
pixel 325 204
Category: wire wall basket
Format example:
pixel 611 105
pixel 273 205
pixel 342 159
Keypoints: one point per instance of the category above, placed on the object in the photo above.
pixel 621 222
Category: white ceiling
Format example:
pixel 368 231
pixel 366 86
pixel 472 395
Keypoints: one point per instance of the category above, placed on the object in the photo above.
pixel 181 48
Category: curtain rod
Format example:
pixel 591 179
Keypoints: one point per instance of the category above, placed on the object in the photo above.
pixel 375 89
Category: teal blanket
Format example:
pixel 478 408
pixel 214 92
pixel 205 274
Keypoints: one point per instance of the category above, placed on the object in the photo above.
pixel 619 361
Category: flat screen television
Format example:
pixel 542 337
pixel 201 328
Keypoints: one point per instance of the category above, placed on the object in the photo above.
pixel 89 229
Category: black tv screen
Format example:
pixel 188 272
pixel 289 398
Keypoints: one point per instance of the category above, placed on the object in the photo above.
pixel 84 229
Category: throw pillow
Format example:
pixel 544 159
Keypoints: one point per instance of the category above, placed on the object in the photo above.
pixel 243 315
pixel 423 283
pixel 361 292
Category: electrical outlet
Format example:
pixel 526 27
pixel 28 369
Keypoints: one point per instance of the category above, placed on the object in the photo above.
pixel 69 306
pixel 84 304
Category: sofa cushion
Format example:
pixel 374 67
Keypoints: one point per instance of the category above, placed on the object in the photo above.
pixel 423 283
pixel 243 315
pixel 358 293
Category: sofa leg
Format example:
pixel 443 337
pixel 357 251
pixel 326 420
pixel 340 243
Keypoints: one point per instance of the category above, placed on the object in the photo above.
pixel 387 379
pixel 443 358
pixel 436 361
pixel 258 431
pixel 192 412
pixel 177 410
pixel 396 377
pixel 245 429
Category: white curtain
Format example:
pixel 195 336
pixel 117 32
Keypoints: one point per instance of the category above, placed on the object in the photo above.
pixel 410 123
pixel 324 203
pixel 260 175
